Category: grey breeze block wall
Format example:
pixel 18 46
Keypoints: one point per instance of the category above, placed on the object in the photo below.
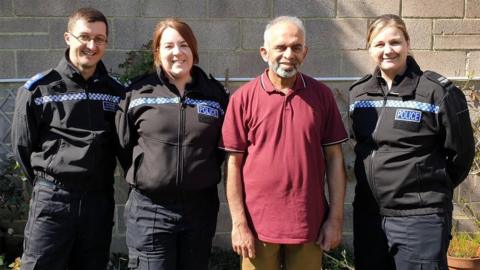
pixel 445 37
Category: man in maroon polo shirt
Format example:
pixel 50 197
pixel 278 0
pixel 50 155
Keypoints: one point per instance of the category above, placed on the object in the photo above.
pixel 283 135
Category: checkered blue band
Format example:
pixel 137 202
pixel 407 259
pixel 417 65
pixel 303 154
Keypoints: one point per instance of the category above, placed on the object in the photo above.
pixel 421 106
pixel 153 101
pixel 366 104
pixel 76 96
pixel 176 100
pixel 104 97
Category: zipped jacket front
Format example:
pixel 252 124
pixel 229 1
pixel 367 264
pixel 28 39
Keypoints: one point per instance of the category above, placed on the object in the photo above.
pixel 414 142
pixel 172 138
pixel 63 127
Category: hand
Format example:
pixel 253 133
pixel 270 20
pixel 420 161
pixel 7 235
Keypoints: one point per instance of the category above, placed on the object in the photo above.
pixel 330 234
pixel 243 242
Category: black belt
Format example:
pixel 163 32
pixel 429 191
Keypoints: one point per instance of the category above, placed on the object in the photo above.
pixel 49 181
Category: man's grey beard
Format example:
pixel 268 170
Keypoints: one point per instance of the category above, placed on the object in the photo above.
pixel 281 72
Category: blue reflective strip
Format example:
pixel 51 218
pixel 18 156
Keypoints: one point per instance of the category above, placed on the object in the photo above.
pixel 421 106
pixel 176 100
pixel 32 80
pixel 76 96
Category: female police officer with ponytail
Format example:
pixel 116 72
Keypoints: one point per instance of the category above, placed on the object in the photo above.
pixel 414 145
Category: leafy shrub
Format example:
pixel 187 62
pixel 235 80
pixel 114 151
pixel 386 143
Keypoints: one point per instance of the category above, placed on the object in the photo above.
pixel 13 198
pixel 137 63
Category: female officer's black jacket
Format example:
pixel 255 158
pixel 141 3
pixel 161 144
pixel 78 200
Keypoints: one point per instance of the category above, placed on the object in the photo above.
pixel 414 144
pixel 172 139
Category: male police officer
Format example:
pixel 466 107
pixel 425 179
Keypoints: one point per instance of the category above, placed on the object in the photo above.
pixel 63 137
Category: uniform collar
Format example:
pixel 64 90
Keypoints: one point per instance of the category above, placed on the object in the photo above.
pixel 269 88
pixel 67 68
pixel 403 85
pixel 197 85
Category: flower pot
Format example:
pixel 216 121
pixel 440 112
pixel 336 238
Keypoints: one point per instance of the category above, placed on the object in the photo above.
pixel 457 263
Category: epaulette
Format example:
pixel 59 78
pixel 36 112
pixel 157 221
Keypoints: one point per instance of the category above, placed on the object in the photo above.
pixel 32 82
pixel 362 80
pixel 438 79
pixel 211 78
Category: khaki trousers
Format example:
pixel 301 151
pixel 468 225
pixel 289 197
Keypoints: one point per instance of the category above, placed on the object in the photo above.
pixel 306 256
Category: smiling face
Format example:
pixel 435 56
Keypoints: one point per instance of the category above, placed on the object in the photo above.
pixel 285 50
pixel 389 50
pixel 176 57
pixel 85 56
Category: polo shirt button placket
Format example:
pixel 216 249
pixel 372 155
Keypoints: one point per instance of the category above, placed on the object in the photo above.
pixel 287 102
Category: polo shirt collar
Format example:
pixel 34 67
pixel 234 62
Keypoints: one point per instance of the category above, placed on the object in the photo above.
pixel 269 88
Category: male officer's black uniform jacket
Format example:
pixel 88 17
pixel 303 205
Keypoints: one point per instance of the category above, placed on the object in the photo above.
pixel 413 144
pixel 173 139
pixel 64 127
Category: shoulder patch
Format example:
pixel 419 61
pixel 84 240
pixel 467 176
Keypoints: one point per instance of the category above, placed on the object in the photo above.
pixel 437 78
pixel 360 81
pixel 29 85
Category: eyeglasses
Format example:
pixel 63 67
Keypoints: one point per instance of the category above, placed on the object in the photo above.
pixel 84 39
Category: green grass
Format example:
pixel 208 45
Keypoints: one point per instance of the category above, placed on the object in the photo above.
pixel 464 245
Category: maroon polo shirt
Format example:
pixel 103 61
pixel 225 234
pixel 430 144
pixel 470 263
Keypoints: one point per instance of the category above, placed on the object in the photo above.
pixel 283 137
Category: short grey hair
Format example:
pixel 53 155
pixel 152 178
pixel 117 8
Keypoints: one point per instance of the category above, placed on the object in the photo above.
pixel 281 19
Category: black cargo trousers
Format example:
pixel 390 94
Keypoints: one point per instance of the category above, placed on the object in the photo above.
pixel 400 242
pixel 67 228
pixel 173 231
